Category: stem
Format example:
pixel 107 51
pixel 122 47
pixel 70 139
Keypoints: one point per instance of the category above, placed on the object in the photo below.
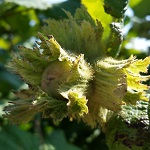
pixel 38 129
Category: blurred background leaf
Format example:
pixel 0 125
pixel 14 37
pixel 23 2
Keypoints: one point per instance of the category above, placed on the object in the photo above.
pixel 136 30
pixel 42 4
pixel 13 138
pixel 57 140
pixel 140 7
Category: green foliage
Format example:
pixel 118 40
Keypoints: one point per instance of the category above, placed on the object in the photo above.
pixel 115 8
pixel 65 76
pixel 114 40
pixel 14 138
pixel 57 10
pixel 8 81
pixel 52 142
pixel 20 23
pixel 129 129
pixel 141 24
pixel 96 11
pixel 62 77
pixel 81 40
pixel 138 29
pixel 141 5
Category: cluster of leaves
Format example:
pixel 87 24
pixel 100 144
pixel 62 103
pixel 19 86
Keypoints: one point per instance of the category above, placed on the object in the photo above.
pixel 19 139
pixel 13 35
pixel 131 129
pixel 20 21
pixel 66 77
pixel 19 24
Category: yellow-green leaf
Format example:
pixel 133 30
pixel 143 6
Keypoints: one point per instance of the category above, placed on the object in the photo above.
pixel 134 3
pixel 96 10
pixel 133 97
pixel 139 66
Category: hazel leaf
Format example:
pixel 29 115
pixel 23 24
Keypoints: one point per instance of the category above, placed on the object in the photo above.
pixel 132 97
pixel 139 66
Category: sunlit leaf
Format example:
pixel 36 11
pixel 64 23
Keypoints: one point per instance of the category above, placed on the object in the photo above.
pixel 4 44
pixel 96 10
pixel 139 66
pixel 133 3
